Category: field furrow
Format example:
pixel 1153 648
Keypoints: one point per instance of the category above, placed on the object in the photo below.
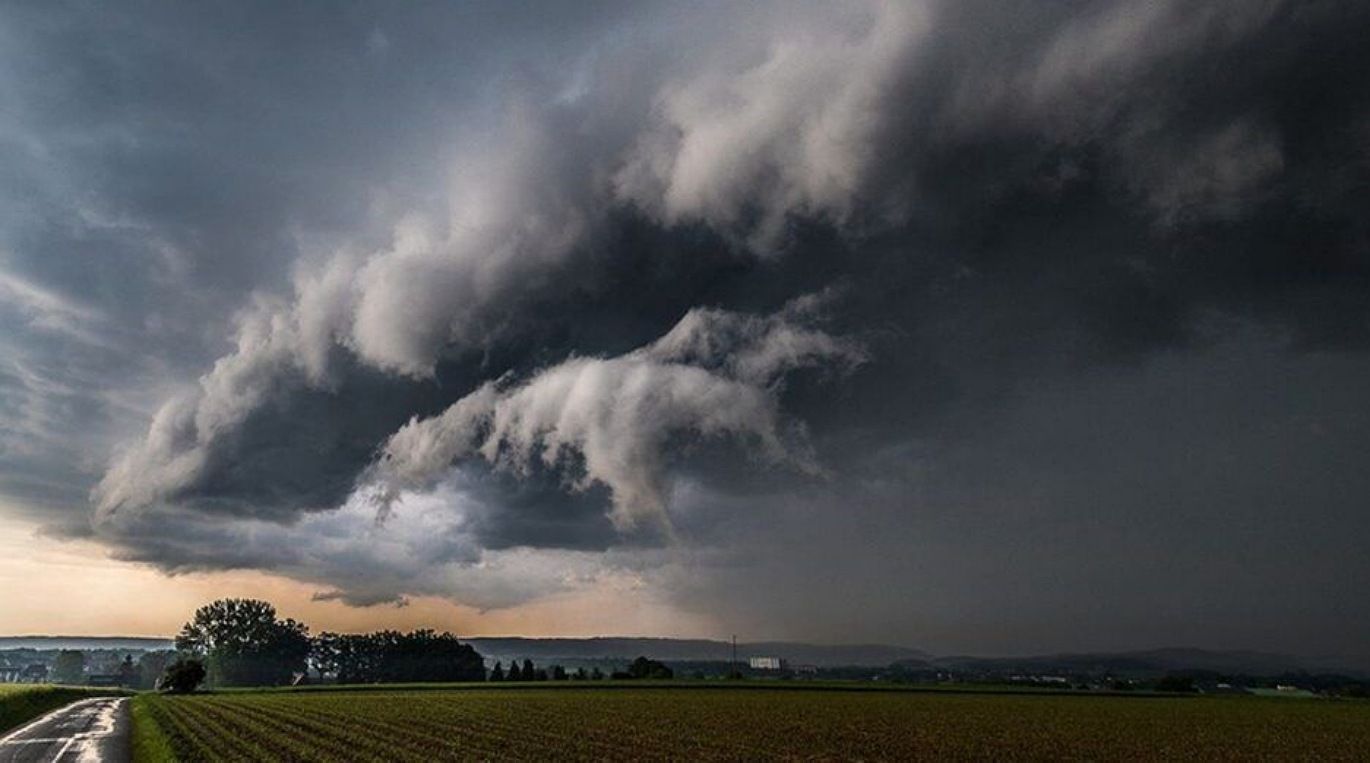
pixel 575 723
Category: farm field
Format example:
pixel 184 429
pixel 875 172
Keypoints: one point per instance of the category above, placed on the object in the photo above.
pixel 727 724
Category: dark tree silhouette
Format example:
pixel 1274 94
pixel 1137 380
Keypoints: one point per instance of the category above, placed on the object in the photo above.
pixel 394 657
pixel 182 676
pixel 244 644
pixel 128 672
pixel 645 668
pixel 1176 683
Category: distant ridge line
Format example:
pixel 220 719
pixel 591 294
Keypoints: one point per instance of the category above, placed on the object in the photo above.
pixel 821 655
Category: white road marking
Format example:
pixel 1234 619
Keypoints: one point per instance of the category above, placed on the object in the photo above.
pixel 88 749
pixel 63 751
pixel 84 743
pixel 8 738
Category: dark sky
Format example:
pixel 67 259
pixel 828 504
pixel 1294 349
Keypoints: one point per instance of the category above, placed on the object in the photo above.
pixel 979 327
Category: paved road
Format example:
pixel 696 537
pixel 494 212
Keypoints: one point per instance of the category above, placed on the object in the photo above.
pixel 86 731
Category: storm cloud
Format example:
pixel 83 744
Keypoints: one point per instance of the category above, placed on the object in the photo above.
pixel 447 301
pixel 711 376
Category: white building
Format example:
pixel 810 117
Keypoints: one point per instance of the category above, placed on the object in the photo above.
pixel 766 663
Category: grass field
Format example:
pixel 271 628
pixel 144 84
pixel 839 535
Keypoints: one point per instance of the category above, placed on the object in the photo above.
pixel 672 723
pixel 20 703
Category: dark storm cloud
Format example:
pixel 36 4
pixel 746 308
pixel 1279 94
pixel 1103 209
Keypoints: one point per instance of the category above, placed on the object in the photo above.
pixel 1185 501
pixel 453 242
pixel 159 164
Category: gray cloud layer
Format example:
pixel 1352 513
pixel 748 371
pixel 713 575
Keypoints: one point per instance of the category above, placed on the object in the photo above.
pixel 711 376
pixel 535 276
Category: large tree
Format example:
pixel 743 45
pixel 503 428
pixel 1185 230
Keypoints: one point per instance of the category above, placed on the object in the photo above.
pixel 243 643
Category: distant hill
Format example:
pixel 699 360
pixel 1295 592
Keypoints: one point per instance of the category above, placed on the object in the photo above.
pixel 84 642
pixel 1143 663
pixel 1148 663
pixel 690 650
pixel 602 648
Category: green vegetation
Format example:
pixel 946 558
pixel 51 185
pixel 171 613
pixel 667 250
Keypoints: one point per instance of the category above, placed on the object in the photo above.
pixel 21 703
pixel 637 722
pixel 241 642
pixel 149 742
pixel 394 657
pixel 182 676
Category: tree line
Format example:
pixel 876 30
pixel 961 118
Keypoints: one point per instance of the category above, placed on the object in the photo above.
pixel 70 667
pixel 639 668
pixel 242 642
pixel 394 657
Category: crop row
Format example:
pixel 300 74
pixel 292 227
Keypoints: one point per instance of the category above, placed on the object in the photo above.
pixel 649 724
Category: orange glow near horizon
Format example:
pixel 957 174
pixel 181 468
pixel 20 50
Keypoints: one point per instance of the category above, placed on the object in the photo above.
pixel 74 588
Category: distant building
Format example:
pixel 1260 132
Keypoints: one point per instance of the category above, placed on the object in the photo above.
pixel 36 673
pixel 766 663
pixel 9 674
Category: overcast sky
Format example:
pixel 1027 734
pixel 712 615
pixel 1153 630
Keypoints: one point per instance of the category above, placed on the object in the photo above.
pixel 976 327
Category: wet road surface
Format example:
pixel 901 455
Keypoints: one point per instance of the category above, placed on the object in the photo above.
pixel 88 731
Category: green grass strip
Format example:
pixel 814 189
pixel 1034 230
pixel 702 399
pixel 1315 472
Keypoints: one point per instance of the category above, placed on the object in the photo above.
pixel 23 705
pixel 150 742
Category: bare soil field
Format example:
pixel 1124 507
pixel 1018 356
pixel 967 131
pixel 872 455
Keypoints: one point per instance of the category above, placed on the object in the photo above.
pixel 728 724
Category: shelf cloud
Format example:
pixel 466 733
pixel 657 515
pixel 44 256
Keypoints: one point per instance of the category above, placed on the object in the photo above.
pixel 450 300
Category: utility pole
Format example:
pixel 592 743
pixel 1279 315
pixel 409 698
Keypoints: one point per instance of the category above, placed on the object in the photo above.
pixel 734 663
